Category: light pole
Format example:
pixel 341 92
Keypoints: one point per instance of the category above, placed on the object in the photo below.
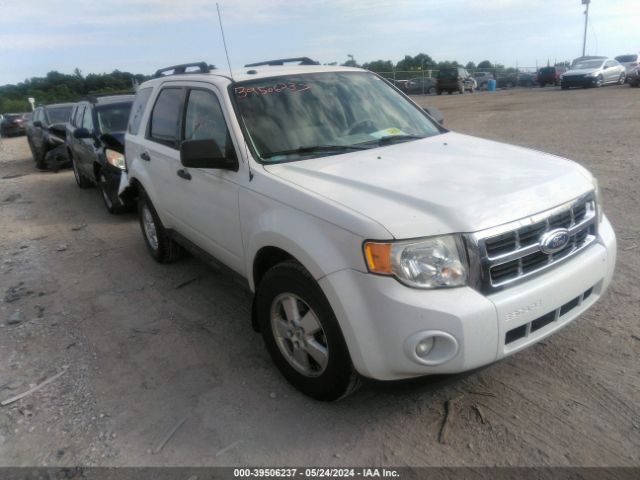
pixel 586 18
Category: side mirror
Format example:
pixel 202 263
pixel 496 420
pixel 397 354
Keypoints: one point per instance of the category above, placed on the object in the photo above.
pixel 206 154
pixel 435 114
pixel 37 123
pixel 82 133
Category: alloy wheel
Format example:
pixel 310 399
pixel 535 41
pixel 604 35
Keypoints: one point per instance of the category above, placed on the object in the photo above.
pixel 299 335
pixel 149 228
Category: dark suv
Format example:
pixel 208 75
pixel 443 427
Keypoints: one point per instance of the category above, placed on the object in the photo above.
pixel 550 75
pixel 95 145
pixel 45 133
pixel 14 124
pixel 455 79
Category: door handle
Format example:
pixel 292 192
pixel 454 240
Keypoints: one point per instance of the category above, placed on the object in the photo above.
pixel 145 156
pixel 182 173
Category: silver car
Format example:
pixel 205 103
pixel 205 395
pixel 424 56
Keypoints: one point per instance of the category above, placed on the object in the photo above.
pixel 594 73
pixel 630 61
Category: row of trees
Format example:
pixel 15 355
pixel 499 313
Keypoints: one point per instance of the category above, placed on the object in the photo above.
pixel 60 87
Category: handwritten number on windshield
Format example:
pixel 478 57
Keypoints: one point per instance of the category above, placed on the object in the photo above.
pixel 243 92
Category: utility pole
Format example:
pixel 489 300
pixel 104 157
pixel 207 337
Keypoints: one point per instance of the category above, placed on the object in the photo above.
pixel 586 19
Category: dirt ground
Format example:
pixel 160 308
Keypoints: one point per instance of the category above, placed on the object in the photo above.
pixel 144 347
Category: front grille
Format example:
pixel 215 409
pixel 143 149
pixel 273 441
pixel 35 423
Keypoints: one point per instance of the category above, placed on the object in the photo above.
pixel 513 252
pixel 527 329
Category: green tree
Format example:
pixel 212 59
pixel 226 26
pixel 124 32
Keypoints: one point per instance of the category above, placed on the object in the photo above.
pixel 379 66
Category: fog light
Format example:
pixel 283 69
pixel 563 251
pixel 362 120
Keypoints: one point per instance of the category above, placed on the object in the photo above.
pixel 424 347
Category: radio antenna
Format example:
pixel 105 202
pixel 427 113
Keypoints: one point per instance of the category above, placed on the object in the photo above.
pixel 224 42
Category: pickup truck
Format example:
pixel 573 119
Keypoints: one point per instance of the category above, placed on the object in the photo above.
pixel 376 242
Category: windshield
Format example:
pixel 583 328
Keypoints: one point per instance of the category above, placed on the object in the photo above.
pixel 448 73
pixel 59 114
pixel 588 64
pixel 113 118
pixel 627 58
pixel 301 116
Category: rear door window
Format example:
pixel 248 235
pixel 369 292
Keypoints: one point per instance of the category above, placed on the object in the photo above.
pixel 164 125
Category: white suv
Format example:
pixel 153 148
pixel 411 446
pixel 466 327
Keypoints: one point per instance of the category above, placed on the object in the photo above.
pixel 377 243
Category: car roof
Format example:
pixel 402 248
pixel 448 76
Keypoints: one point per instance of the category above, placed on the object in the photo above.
pixel 55 105
pixel 109 99
pixel 261 72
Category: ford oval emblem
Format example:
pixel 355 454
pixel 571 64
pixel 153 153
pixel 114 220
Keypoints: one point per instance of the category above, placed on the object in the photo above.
pixel 554 241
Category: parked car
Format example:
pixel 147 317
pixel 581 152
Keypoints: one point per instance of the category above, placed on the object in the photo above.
pixel 527 79
pixel 455 79
pixel 630 61
pixel 376 242
pixel 421 85
pixel 593 73
pixel 550 75
pixel 95 145
pixel 13 124
pixel 634 77
pixel 46 132
pixel 482 79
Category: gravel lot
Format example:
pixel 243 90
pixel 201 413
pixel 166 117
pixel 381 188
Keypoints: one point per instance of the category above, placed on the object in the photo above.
pixel 144 346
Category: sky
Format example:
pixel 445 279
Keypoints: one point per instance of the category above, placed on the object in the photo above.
pixel 140 36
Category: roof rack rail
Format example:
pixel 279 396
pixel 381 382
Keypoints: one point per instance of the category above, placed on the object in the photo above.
pixel 300 60
pixel 179 69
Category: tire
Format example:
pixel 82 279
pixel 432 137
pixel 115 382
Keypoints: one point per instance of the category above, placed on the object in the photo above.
pixel 161 247
pixel 439 92
pixel 461 88
pixel 112 208
pixel 599 82
pixel 302 334
pixel 82 181
pixel 472 89
pixel 38 157
pixel 431 90
pixel 622 79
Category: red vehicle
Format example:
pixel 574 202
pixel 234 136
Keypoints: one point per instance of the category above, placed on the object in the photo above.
pixel 550 75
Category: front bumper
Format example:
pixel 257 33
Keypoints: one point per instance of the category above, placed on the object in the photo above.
pixel 382 320
pixel 578 81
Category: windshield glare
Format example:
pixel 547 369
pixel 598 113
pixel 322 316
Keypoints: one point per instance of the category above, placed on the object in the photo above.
pixel 113 118
pixel 591 64
pixel 333 109
pixel 58 114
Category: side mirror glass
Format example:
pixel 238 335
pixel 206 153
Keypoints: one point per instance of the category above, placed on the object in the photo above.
pixel 82 133
pixel 435 114
pixel 206 154
pixel 58 130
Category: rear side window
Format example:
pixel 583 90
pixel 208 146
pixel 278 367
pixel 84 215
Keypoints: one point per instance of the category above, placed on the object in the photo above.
pixel 87 121
pixel 139 104
pixel 165 117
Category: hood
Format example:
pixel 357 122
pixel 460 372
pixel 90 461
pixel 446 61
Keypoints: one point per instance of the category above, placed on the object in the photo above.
pixel 581 71
pixel 442 184
pixel 113 141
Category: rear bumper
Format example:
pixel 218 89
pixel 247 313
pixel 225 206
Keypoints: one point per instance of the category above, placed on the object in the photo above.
pixel 383 321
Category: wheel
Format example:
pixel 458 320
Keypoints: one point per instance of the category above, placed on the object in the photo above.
pixel 599 81
pixel 461 88
pixel 112 207
pixel 431 90
pixel 162 248
pixel 622 79
pixel 81 180
pixel 509 84
pixel 38 157
pixel 449 92
pixel 302 334
pixel 439 92
pixel 472 89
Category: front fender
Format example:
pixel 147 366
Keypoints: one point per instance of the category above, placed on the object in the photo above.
pixel 321 247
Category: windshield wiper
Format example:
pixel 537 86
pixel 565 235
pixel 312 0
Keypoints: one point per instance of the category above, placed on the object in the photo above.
pixel 315 148
pixel 393 138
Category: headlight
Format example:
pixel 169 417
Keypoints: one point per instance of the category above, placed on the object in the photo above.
pixel 598 195
pixel 592 74
pixel 429 263
pixel 116 159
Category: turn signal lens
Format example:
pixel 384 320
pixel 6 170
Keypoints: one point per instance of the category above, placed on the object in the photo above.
pixel 378 257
